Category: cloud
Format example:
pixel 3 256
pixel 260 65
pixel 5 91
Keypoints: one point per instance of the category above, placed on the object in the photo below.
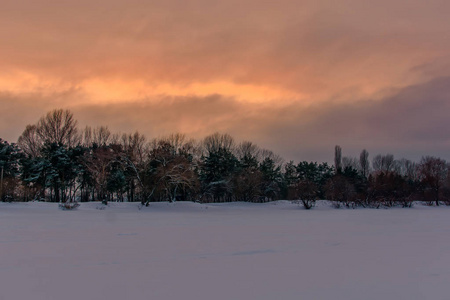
pixel 411 122
pixel 297 77
pixel 20 109
pixel 346 51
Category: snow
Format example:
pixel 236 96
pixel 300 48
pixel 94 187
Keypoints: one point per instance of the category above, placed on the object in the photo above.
pixel 223 251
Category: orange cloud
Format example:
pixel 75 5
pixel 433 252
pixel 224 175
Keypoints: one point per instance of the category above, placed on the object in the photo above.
pixel 306 48
pixel 226 57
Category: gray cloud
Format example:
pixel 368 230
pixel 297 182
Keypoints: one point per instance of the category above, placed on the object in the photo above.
pixel 311 47
pixel 371 74
pixel 412 122
pixel 20 109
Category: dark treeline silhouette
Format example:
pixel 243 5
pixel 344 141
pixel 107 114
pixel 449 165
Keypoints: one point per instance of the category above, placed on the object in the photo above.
pixel 54 160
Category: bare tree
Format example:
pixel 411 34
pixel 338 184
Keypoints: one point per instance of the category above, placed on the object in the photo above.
pixel 176 140
pixel 364 163
pixel 247 184
pixel 248 149
pixel 171 174
pixel 177 176
pixel 58 126
pixel 184 146
pixel 101 136
pixel 338 158
pixel 349 162
pixel 389 189
pixel 388 162
pixel 304 191
pixel 377 163
pixel 384 163
pixel 340 191
pixel 135 146
pixel 30 142
pixel 268 154
pixel 407 169
pixel 216 141
pixel 97 162
pixel 86 136
pixel 433 172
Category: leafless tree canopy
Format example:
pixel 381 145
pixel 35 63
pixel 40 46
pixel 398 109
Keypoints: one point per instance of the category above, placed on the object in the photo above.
pixel 30 142
pixel 268 154
pixel 350 162
pixel 385 163
pixel 58 126
pixel 216 141
pixel 248 149
pixel 100 136
pixel 407 168
pixel 364 163
pixel 338 158
pixel 433 172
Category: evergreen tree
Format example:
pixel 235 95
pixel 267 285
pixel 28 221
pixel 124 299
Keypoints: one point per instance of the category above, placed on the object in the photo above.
pixel 216 173
pixel 10 155
pixel 272 178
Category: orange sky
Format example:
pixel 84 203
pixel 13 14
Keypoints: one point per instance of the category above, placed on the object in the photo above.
pixel 295 76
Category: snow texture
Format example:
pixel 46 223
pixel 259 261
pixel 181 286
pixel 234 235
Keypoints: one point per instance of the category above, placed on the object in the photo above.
pixel 223 252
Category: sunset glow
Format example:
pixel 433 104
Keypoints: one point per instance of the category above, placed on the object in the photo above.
pixel 119 91
pixel 297 76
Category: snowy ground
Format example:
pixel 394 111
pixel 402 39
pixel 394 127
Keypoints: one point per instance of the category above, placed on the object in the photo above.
pixel 223 252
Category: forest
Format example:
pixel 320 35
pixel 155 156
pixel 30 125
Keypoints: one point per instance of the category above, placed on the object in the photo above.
pixel 54 160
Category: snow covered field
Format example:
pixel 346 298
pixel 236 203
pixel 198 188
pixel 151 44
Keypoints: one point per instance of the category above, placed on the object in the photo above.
pixel 223 252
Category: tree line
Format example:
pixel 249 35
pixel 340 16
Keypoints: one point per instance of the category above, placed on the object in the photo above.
pixel 54 160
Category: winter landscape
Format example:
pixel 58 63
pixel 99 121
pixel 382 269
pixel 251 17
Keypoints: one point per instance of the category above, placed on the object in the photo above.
pixel 224 150
pixel 187 250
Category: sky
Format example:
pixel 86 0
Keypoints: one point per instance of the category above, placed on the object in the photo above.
pixel 296 77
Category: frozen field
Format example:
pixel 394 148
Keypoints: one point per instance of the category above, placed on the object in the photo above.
pixel 273 251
